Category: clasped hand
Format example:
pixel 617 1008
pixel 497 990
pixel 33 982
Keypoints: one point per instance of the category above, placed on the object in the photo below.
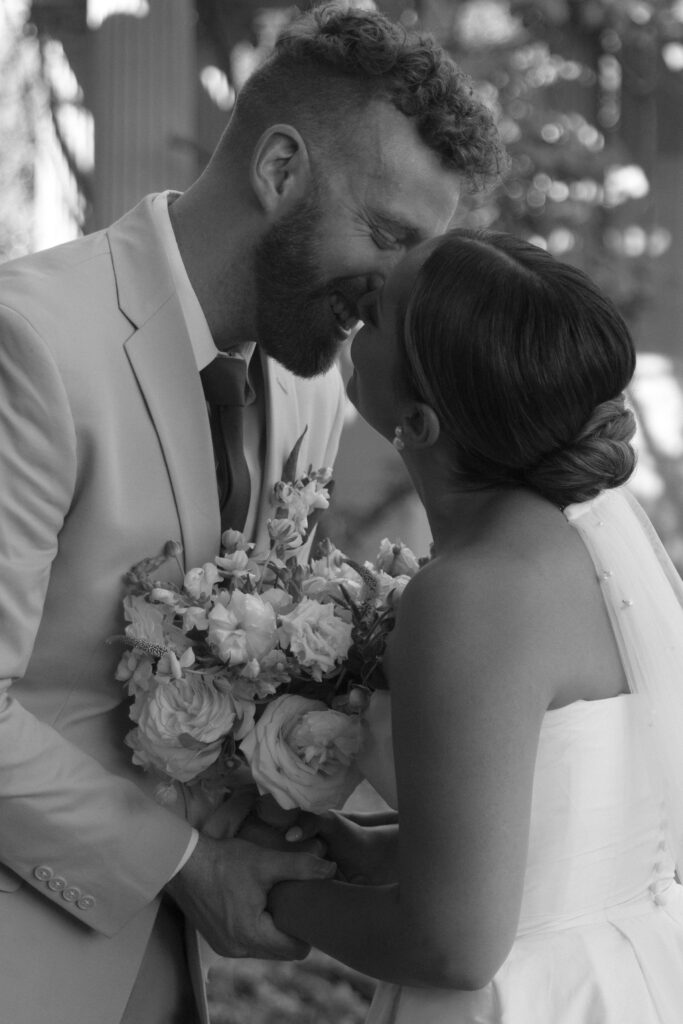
pixel 223 888
pixel 364 846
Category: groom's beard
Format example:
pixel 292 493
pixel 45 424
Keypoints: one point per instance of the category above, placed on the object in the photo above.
pixel 294 321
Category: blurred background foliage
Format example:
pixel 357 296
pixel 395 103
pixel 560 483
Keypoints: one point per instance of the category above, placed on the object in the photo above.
pixel 588 95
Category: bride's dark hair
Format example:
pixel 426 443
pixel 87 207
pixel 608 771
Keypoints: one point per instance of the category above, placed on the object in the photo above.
pixel 525 362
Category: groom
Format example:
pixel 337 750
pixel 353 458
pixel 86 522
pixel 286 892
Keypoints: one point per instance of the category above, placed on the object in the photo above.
pixel 346 148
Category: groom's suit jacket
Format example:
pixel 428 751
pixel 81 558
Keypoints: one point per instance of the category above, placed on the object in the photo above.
pixel 105 454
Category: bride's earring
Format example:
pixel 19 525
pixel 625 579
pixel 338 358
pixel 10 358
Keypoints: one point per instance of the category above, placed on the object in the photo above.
pixel 398 442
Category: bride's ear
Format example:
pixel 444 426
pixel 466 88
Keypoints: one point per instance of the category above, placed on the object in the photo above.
pixel 421 427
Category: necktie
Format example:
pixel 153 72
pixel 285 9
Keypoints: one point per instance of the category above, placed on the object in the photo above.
pixel 227 390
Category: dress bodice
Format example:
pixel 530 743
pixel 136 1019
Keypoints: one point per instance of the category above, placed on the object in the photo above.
pixel 597 847
pixel 600 933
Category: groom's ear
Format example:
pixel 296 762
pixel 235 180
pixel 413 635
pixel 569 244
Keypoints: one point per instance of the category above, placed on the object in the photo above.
pixel 421 427
pixel 280 170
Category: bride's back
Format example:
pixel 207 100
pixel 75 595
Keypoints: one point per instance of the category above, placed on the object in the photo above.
pixel 533 580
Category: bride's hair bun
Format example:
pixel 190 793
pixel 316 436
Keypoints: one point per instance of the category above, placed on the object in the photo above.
pixel 600 457
pixel 525 363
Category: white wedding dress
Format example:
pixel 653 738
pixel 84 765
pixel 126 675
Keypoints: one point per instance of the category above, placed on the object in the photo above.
pixel 600 935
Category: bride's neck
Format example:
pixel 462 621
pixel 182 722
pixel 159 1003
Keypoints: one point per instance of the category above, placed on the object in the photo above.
pixel 456 512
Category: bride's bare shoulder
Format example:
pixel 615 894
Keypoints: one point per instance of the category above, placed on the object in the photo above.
pixel 521 594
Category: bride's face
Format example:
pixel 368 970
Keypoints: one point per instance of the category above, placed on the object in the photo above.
pixel 379 382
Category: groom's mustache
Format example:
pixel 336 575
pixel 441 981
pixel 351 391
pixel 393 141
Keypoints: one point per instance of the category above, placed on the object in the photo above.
pixel 351 292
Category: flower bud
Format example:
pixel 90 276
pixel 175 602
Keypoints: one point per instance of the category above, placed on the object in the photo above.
pixel 284 535
pixel 396 559
pixel 359 698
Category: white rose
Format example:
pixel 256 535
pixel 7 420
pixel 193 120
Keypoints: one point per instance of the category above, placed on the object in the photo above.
pixel 302 753
pixel 317 637
pixel 181 726
pixel 243 629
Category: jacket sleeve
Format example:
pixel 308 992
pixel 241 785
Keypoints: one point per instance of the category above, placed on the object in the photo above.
pixel 89 840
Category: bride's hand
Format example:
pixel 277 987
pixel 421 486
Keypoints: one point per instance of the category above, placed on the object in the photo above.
pixel 260 820
pixel 365 855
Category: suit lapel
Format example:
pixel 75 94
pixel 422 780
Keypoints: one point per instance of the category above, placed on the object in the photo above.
pixel 161 356
pixel 165 369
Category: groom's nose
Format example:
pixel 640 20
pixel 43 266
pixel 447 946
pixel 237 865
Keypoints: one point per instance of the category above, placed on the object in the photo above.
pixel 367 304
pixel 373 285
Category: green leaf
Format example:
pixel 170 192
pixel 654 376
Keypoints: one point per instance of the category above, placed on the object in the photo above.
pixel 289 472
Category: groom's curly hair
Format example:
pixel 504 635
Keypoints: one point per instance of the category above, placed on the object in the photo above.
pixel 330 63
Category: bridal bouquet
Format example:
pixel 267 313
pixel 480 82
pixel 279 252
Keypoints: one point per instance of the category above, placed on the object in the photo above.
pixel 256 667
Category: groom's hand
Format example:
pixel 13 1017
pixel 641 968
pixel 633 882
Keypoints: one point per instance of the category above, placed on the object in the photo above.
pixel 223 889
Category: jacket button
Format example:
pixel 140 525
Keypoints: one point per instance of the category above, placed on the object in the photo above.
pixel 71 894
pixel 43 873
pixel 57 883
pixel 86 903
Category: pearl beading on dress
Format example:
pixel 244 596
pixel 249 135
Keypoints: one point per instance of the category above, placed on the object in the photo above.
pixel 605 575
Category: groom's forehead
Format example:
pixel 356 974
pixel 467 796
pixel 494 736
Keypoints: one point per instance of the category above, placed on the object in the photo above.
pixel 402 179
pixel 416 208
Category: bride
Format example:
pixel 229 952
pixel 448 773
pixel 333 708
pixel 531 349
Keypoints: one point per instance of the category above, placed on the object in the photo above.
pixel 535 671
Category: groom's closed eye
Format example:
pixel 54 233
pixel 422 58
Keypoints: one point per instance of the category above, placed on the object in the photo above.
pixel 386 239
pixel 388 233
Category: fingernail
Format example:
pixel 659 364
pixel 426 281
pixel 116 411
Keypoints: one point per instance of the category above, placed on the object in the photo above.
pixel 294 834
